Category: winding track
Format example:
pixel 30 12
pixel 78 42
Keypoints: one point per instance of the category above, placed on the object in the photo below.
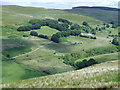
pixel 28 52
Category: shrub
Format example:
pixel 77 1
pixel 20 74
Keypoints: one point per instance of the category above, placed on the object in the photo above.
pixel 85 63
pixel 75 26
pixel 64 21
pixel 43 36
pixel 25 36
pixel 85 24
pixel 33 33
pixel 115 41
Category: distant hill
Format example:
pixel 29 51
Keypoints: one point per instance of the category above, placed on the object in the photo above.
pixel 13 14
pixel 106 14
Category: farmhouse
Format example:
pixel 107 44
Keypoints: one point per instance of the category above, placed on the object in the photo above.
pixel 86 34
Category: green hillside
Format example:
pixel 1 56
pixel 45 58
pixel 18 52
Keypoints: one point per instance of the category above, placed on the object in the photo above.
pixel 103 75
pixel 32 56
pixel 105 14
pixel 17 14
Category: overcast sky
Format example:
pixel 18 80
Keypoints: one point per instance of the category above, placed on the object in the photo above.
pixel 61 4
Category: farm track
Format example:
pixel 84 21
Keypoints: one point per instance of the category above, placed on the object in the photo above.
pixel 28 52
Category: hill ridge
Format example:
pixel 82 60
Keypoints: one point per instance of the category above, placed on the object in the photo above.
pixel 97 7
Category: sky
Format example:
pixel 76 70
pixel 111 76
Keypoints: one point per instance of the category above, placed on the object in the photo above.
pixel 61 4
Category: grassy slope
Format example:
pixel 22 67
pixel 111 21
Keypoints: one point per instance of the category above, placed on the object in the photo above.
pixel 22 72
pixel 44 58
pixel 103 75
pixel 103 58
pixel 104 15
pixel 17 14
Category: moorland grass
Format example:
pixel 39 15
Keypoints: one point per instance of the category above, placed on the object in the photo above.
pixel 103 75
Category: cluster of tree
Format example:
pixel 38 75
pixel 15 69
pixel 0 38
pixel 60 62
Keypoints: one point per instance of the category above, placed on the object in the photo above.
pixel 113 35
pixel 51 23
pixel 86 29
pixel 55 37
pixel 43 36
pixel 29 27
pixel 75 26
pixel 72 60
pixel 64 21
pixel 85 63
pixel 115 41
pixel 63 27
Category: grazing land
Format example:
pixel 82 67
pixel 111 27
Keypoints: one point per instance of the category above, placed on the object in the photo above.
pixel 41 45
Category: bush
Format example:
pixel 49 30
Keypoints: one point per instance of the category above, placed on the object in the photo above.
pixel 115 41
pixel 25 36
pixel 24 28
pixel 92 37
pixel 33 33
pixel 75 26
pixel 43 36
pixel 55 37
pixel 65 21
pixel 107 25
pixel 85 24
pixel 85 63
pixel 114 26
pixel 34 21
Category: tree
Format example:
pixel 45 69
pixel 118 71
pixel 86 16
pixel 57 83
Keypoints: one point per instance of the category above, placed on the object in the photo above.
pixel 104 24
pixel 54 38
pixel 85 63
pixel 75 26
pixel 110 32
pixel 114 25
pixel 93 31
pixel 91 61
pixel 112 22
pixel 25 36
pixel 64 21
pixel 115 41
pixel 43 36
pixel 96 28
pixel 8 55
pixel 107 25
pixel 85 24
pixel 103 28
pixel 100 29
pixel 33 33
pixel 24 28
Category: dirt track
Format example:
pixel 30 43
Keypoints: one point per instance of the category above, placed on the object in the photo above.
pixel 28 52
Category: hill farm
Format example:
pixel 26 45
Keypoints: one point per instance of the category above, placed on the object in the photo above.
pixel 54 48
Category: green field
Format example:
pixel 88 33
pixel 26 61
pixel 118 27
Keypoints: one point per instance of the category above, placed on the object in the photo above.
pixel 36 57
pixel 13 72
pixel 98 76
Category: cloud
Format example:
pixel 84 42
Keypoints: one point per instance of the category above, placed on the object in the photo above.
pixel 61 4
